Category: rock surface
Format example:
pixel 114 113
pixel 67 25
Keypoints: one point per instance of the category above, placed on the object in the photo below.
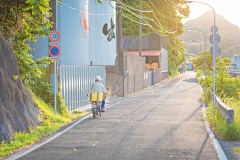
pixel 17 109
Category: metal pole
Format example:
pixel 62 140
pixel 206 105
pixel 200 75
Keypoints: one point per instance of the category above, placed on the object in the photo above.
pixel 214 63
pixel 140 30
pixel 205 54
pixel 55 80
pixel 214 56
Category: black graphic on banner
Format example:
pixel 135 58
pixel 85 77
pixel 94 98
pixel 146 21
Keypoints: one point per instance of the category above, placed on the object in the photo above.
pixel 109 32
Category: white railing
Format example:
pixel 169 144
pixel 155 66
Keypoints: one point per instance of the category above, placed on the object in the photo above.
pixel 226 111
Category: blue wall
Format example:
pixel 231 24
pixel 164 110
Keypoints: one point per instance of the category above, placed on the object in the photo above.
pixel 82 35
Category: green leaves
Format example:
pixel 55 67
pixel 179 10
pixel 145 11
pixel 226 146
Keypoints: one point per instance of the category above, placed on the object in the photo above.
pixel 22 23
pixel 15 77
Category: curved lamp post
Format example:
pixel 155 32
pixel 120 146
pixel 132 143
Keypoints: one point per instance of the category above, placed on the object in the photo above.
pixel 214 56
pixel 205 45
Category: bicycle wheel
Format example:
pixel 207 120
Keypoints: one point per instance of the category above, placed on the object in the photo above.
pixel 94 113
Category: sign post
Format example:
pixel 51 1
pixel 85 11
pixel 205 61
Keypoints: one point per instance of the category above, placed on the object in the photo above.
pixel 54 52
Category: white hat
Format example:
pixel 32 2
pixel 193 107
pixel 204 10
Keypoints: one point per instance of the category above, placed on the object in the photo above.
pixel 98 78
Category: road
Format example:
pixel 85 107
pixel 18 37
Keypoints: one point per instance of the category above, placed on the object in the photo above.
pixel 164 122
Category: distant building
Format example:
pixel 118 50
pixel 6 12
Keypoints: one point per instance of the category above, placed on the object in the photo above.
pixel 154 48
pixel 235 60
pixel 189 65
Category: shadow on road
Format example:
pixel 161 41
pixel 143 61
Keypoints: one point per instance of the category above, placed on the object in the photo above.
pixel 191 80
pixel 201 150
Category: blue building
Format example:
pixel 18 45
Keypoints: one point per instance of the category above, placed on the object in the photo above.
pixel 87 34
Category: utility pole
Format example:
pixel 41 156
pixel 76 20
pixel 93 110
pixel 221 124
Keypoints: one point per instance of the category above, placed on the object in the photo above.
pixel 119 46
pixel 170 44
pixel 120 54
pixel 53 66
pixel 53 19
pixel 140 30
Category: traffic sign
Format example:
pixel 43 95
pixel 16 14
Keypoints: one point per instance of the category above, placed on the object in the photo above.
pixel 215 29
pixel 217 51
pixel 216 37
pixel 54 36
pixel 54 51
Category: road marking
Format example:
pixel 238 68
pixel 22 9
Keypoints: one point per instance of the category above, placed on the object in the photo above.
pixel 57 134
pixel 221 154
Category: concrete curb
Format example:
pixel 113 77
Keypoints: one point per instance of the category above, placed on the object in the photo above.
pixel 221 154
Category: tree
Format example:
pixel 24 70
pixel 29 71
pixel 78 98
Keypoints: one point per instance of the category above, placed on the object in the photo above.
pixel 166 18
pixel 22 21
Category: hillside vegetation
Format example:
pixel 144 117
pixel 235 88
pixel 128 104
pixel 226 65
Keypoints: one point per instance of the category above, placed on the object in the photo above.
pixel 229 33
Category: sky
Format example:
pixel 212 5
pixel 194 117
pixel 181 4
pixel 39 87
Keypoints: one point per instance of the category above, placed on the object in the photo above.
pixel 229 9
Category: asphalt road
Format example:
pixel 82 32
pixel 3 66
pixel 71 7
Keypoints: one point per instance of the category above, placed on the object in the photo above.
pixel 164 122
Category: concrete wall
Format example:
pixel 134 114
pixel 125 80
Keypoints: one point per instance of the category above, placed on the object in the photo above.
pixel 132 82
pixel 136 79
pixel 158 75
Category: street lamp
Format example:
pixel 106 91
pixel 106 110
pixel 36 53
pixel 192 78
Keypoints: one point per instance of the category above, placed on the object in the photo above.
pixel 214 56
pixel 205 46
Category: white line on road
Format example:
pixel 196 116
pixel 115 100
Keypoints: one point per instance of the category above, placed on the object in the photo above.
pixel 216 144
pixel 36 146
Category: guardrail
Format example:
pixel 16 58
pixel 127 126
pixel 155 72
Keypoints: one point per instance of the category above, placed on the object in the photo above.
pixel 226 111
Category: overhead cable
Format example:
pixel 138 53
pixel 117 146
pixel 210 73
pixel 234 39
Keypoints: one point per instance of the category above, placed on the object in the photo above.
pixel 83 11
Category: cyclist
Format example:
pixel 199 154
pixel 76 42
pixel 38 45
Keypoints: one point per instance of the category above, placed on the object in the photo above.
pixel 100 88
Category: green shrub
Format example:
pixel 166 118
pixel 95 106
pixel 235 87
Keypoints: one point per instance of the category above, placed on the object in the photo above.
pixel 49 122
pixel 44 91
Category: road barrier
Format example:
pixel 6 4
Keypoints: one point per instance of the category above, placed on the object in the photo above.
pixel 226 111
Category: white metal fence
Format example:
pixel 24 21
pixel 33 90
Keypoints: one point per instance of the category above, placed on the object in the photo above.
pixel 75 82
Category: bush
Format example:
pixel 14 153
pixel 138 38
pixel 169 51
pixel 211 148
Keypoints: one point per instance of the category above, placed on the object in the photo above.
pixel 44 91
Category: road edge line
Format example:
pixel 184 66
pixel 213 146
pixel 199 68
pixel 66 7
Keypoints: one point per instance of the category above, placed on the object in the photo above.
pixel 36 146
pixel 220 152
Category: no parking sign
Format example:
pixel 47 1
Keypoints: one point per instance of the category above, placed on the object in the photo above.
pixel 54 51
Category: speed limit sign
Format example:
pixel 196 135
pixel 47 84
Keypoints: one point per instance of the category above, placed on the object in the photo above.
pixel 54 36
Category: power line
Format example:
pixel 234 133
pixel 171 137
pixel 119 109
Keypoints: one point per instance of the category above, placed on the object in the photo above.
pixel 82 11
pixel 149 24
pixel 159 12
pixel 174 4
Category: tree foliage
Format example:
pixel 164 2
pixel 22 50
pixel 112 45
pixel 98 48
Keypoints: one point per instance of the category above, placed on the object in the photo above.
pixel 20 22
pixel 199 62
pixel 166 17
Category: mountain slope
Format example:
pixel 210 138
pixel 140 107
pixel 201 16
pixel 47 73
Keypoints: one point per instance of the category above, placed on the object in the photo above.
pixel 229 33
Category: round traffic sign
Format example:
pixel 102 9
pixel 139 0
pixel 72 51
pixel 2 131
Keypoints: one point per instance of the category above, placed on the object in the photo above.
pixel 217 39
pixel 54 51
pixel 217 51
pixel 215 29
pixel 54 36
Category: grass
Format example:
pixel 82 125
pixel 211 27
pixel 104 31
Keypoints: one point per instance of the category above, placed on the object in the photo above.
pixel 236 149
pixel 218 123
pixel 48 124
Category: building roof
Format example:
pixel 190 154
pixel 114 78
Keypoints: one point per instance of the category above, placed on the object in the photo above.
pixel 147 53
